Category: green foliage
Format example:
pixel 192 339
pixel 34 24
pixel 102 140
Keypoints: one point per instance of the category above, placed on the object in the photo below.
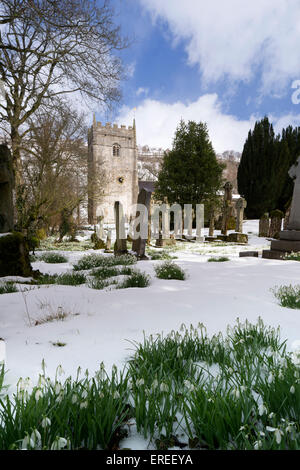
pixel 221 259
pixel 96 261
pixel 160 255
pixel 8 287
pixel 66 279
pixel 190 172
pixel 237 391
pixel 52 258
pixel 288 296
pixel 263 171
pixel 169 270
pixel 107 272
pixel 136 279
pixel 83 414
pixel 292 256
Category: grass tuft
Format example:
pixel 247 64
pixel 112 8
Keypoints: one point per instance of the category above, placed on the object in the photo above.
pixel 221 259
pixel 169 270
pixel 8 287
pixel 52 258
pixel 288 296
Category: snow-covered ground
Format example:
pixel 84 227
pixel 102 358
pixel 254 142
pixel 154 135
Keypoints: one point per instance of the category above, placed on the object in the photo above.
pixel 100 323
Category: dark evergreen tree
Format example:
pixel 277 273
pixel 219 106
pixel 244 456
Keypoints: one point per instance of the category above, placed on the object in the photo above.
pixel 263 169
pixel 190 172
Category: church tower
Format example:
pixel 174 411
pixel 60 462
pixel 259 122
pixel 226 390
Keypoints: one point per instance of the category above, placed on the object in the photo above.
pixel 112 170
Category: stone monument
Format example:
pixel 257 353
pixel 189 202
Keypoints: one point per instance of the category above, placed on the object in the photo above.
pixel 289 239
pixel 139 245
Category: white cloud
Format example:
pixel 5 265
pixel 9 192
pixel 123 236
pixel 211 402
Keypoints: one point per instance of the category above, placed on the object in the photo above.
pixel 235 39
pixel 157 121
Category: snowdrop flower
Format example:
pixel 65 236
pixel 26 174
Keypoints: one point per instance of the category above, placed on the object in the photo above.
pixel 292 389
pixel 42 382
pixel 45 422
pixel 57 388
pixel 116 394
pixel 59 443
pixel 277 433
pixel 155 384
pixel 242 428
pixel 271 415
pixel 60 370
pixel 38 394
pixel 270 378
pixel 230 370
pixel 84 394
pixel 36 438
pixel 262 410
pixel 179 352
pixel 236 393
pixel 74 399
pixel 140 382
pixel 189 385
pixel 164 387
pixel 27 442
pixel 83 404
pixel 261 433
pixel 257 445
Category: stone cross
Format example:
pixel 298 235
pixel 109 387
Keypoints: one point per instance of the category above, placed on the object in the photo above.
pixel 227 207
pixel 241 205
pixel 120 246
pixel 139 245
pixel 294 220
pixel 6 191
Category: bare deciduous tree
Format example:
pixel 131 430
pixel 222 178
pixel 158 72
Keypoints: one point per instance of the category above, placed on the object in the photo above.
pixel 49 48
pixel 54 158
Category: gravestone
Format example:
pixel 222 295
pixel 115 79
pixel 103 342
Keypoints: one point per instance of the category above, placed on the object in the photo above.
pixel 275 224
pixel 139 244
pixel 227 208
pixel 264 225
pixel 211 223
pixel 6 190
pixel 120 244
pixel 294 219
pixel 241 205
pixel 286 218
pixel 289 239
pixel 108 242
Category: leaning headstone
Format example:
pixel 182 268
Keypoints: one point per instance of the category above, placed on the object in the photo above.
pixel 6 190
pixel 227 208
pixel 139 244
pixel 289 239
pixel 120 244
pixel 241 205
pixel 211 223
pixel 276 223
pixel 264 225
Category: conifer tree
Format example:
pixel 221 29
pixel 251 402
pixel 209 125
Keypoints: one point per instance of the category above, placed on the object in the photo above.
pixel 190 172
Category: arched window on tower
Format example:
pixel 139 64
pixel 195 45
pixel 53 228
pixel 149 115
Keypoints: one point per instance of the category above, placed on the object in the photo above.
pixel 116 150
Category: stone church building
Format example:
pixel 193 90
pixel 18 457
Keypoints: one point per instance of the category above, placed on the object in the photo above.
pixel 112 170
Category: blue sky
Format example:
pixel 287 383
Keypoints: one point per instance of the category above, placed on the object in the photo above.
pixel 226 63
